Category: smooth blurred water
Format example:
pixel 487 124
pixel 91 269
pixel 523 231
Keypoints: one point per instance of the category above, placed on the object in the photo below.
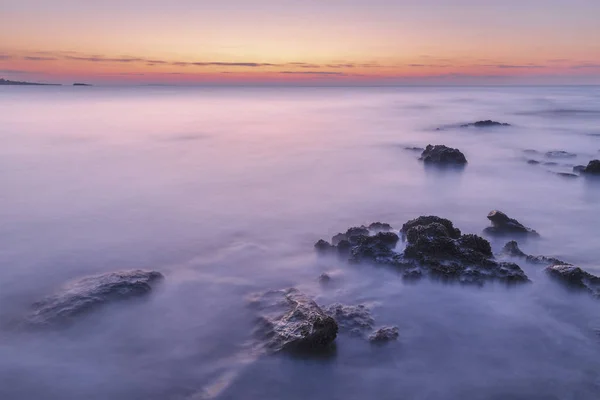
pixel 226 190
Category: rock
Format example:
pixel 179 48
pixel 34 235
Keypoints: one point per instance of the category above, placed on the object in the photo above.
pixel 560 154
pixel 324 278
pixel 89 293
pixel 593 167
pixel 442 155
pixel 291 321
pixel 351 235
pixel 512 249
pixel 426 220
pixel 567 175
pixel 531 151
pixel 412 148
pixel 352 319
pixel 503 225
pixel 484 124
pixel 575 277
pixel 380 227
pixel 376 248
pixel 579 168
pixel 384 334
pixel 533 162
pixel 550 163
pixel 323 246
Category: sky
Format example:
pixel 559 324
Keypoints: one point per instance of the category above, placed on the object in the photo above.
pixel 312 42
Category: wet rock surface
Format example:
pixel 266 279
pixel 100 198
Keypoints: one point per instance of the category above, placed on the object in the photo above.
pixel 502 224
pixel 511 249
pixel 575 278
pixel 434 247
pixel 291 321
pixel 89 293
pixel 484 124
pixel 560 154
pixel 384 334
pixel 442 155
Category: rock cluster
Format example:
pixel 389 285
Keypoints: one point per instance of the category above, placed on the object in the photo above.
pixel 502 224
pixel 442 155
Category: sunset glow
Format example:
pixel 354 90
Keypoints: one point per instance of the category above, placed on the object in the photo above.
pixel 309 42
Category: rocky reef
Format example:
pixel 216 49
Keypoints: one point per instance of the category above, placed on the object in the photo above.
pixel 502 224
pixel 442 155
pixel 484 124
pixel 86 294
pixel 512 249
pixel 575 278
pixel 291 321
pixel 433 247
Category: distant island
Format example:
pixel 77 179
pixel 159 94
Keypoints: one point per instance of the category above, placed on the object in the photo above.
pixel 81 84
pixel 7 82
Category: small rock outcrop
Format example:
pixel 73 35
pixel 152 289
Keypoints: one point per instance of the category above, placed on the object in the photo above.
pixel 442 155
pixel 560 154
pixel 355 320
pixel 291 321
pixel 502 224
pixel 593 167
pixel 575 277
pixel 434 247
pixel 86 294
pixel 511 249
pixel 384 334
pixel 414 148
pixel 484 124
pixel 533 162
pixel 380 227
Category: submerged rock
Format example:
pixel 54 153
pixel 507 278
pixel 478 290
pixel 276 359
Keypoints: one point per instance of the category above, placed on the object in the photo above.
pixel 414 148
pixel 593 167
pixel 86 294
pixel 567 175
pixel 512 249
pixel 579 168
pixel 384 334
pixel 533 162
pixel 293 322
pixel 435 248
pixel 324 278
pixel 560 154
pixel 484 124
pixel 355 320
pixel 442 155
pixel 576 277
pixel 502 224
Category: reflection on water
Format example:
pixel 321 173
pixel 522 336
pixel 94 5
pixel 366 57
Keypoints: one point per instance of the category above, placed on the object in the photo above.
pixel 226 190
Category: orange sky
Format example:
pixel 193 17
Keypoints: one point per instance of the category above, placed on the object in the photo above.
pixel 312 42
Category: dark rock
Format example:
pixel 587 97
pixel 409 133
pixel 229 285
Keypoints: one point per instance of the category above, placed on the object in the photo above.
pixel 475 243
pixel 355 320
pixel 89 293
pixel 384 334
pixel 484 124
pixel 409 148
pixel 512 249
pixel 575 277
pixel 533 162
pixel 442 155
pixel 380 227
pixel 293 322
pixel 376 248
pixel 503 225
pixel 593 167
pixel 567 175
pixel 323 246
pixel 560 154
pixel 430 219
pixel 324 278
pixel 344 247
pixel 550 163
pixel 351 235
pixel 579 168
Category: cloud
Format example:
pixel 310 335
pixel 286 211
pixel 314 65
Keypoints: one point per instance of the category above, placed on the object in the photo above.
pixel 5 57
pixel 510 66
pixel 586 65
pixel 103 59
pixel 316 73
pixel 31 58
pixel 428 65
pixel 14 71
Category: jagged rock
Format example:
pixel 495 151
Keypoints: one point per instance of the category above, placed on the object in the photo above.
pixel 323 246
pixel 503 225
pixel 351 235
pixel 355 320
pixel 593 167
pixel 291 321
pixel 380 227
pixel 384 334
pixel 576 277
pixel 437 249
pixel 86 294
pixel 484 124
pixel 426 220
pixel 442 155
pixel 512 249
pixel 560 154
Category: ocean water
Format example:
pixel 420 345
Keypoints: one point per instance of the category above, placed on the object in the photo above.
pixel 225 191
